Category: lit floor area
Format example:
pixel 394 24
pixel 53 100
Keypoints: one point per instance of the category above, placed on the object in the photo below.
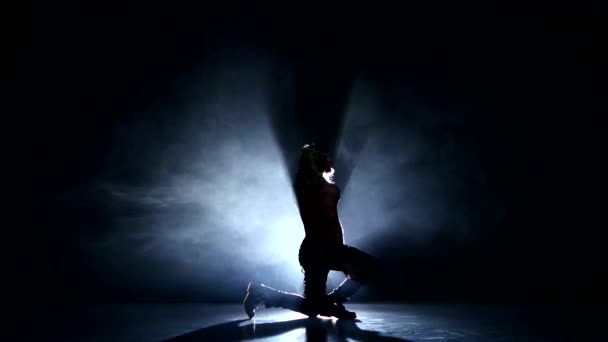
pixel 376 322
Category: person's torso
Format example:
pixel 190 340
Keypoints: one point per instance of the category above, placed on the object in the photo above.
pixel 319 212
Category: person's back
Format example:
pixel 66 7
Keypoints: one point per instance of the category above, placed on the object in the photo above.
pixel 318 207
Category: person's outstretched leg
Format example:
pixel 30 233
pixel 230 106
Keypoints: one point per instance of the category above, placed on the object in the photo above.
pixel 260 294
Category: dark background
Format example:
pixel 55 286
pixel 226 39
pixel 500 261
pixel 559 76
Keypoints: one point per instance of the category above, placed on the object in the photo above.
pixel 473 170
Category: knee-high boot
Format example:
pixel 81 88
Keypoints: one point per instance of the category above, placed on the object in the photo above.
pixel 258 294
pixel 344 291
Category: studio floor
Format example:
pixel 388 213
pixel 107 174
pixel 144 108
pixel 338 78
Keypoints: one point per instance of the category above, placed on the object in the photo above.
pixel 375 322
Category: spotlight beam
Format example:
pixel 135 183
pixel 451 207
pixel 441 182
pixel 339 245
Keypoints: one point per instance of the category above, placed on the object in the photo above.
pixel 308 105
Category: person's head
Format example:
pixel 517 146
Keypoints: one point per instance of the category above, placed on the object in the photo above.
pixel 315 159
pixel 315 163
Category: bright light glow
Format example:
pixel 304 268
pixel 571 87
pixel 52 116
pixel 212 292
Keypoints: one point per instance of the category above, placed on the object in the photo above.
pixel 329 176
pixel 385 184
pixel 221 209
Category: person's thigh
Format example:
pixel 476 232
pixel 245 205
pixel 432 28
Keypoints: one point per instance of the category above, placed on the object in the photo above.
pixel 356 264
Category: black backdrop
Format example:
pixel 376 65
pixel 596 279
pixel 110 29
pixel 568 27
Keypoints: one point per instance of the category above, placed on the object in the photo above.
pixel 514 86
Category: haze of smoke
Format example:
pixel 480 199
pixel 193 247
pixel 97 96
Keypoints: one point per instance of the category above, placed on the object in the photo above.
pixel 215 194
pixel 213 199
pixel 413 178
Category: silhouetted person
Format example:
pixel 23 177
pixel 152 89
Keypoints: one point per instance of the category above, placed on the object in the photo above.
pixel 322 250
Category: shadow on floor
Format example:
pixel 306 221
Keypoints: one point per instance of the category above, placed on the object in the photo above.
pixel 316 330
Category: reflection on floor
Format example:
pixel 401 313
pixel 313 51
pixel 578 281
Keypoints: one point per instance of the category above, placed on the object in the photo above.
pixel 376 322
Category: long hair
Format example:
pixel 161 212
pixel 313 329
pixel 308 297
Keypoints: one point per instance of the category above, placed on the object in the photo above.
pixel 312 169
